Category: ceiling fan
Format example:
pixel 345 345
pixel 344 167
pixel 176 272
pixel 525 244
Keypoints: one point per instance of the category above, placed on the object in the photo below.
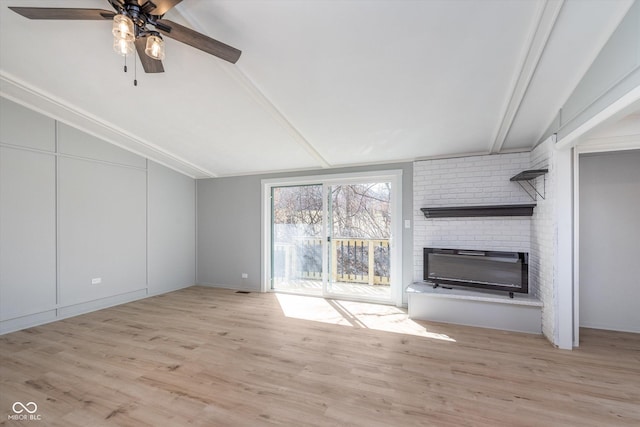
pixel 132 20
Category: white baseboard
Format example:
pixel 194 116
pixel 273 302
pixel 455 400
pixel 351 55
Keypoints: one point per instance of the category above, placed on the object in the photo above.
pixel 616 328
pixel 59 313
pixel 225 286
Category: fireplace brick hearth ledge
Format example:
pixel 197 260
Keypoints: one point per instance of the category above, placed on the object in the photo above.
pixel 484 309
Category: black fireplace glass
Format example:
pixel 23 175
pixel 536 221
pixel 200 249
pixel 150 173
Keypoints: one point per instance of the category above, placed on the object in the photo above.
pixel 476 268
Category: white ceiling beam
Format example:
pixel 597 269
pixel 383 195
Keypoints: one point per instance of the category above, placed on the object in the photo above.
pixel 234 71
pixel 610 143
pixel 546 19
pixel 627 104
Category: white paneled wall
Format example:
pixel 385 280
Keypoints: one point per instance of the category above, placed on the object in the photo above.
pixel 84 224
pixel 27 233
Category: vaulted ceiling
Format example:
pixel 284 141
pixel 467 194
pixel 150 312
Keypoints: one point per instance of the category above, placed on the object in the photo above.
pixel 320 83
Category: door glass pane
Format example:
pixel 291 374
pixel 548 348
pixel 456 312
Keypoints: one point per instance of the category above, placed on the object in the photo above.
pixel 360 228
pixel 296 236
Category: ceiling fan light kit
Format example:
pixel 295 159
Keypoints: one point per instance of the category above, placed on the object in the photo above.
pixel 130 24
pixel 122 46
pixel 155 47
pixel 123 28
pixel 131 33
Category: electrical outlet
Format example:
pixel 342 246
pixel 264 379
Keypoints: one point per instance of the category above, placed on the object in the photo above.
pixel 96 280
pixel 245 276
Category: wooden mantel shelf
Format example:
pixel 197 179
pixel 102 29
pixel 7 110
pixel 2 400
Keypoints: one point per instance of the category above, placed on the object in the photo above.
pixel 478 211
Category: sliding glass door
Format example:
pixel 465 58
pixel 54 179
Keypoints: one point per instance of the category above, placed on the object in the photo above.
pixel 359 232
pixel 297 231
pixel 334 236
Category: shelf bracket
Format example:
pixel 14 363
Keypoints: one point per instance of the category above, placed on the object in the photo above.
pixel 535 193
pixel 528 177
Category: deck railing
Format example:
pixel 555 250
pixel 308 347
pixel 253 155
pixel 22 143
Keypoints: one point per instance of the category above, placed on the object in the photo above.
pixel 352 260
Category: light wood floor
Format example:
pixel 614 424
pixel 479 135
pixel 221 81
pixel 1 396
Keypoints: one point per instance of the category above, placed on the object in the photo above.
pixel 210 357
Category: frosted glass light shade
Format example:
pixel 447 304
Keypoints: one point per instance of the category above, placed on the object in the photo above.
pixel 122 47
pixel 123 28
pixel 155 48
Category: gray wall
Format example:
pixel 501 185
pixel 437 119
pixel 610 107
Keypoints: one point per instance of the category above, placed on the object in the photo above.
pixel 75 208
pixel 229 226
pixel 101 230
pixel 27 233
pixel 172 229
pixel 609 238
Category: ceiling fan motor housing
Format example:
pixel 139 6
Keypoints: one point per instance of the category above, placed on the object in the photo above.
pixel 146 41
pixel 141 17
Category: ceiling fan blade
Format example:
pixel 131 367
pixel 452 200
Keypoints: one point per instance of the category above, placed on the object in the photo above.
pixel 150 65
pixel 63 13
pixel 199 41
pixel 158 7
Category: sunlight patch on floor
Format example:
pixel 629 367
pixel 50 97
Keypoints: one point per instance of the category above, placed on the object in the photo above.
pixel 355 314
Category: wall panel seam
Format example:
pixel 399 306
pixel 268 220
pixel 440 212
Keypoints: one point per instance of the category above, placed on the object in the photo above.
pixel 57 216
pixel 68 156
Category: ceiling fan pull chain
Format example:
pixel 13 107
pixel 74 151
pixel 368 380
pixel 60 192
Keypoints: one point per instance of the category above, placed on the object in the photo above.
pixel 125 63
pixel 135 70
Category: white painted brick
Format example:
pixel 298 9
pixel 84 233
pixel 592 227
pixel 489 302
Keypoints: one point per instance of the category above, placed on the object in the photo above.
pixel 477 180
pixel 542 239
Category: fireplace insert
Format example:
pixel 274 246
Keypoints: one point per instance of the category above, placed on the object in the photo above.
pixel 491 270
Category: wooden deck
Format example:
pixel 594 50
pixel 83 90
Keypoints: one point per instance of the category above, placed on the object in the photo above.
pixel 211 357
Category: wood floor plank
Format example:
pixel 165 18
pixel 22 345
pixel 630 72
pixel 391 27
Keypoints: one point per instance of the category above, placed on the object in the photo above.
pixel 203 356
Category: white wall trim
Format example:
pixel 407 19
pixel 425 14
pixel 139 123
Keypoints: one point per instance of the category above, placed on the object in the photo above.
pixel 611 143
pixel 564 122
pixel 151 293
pixel 71 156
pixel 61 312
pixel 564 268
pixel 576 139
pixel 382 162
pixel 619 108
pixel 595 145
pixel 576 246
pixel 28 96
pixel 195 210
pixel 57 212
pixel 146 225
pixel 349 177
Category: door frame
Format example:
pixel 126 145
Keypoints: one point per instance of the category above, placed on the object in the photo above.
pixel 394 176
pixel 601 145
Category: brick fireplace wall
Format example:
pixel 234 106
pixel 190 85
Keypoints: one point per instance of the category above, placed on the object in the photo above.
pixel 476 180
